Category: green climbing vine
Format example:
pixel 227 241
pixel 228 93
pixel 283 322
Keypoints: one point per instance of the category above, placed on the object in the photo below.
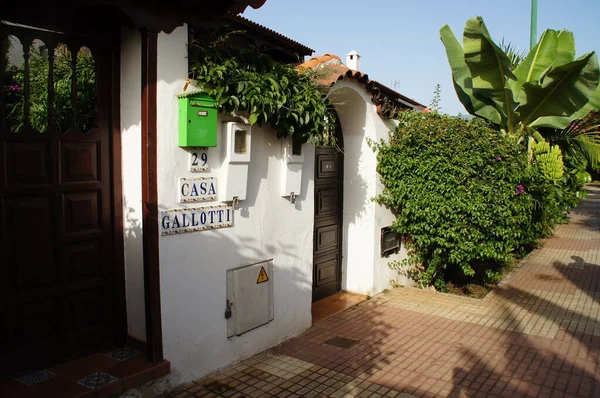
pixel 273 93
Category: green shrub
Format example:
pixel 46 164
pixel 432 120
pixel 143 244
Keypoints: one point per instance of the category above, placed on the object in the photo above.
pixel 553 186
pixel 14 82
pixel 456 187
pixel 273 93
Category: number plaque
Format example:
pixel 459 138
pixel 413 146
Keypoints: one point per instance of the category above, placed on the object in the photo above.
pixel 199 159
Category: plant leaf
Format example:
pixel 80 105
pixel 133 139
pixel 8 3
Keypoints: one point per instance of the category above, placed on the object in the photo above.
pixel 490 69
pixel 461 77
pixel 564 91
pixel 592 105
pixel 538 60
pixel 566 48
pixel 253 118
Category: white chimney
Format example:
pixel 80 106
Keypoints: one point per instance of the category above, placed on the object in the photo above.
pixel 353 60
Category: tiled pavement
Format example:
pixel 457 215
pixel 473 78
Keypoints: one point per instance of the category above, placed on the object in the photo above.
pixel 536 335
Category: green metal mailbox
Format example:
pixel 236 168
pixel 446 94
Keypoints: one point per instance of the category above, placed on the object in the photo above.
pixel 197 120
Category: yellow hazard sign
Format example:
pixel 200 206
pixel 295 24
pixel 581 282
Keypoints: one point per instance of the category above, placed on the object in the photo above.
pixel 262 276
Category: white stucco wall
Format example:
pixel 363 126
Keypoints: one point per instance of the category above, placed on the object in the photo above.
pixel 383 218
pixel 193 265
pixel 131 147
pixel 364 271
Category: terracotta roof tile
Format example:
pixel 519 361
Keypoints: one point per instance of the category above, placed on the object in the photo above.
pixel 330 69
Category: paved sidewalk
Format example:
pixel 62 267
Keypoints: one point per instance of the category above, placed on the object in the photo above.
pixel 536 335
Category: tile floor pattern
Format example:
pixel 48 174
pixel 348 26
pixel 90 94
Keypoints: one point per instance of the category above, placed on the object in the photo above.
pixel 34 378
pixel 101 374
pixel 536 335
pixel 122 354
pixel 97 380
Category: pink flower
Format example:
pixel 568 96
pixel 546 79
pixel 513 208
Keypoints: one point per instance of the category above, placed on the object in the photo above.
pixel 520 189
pixel 15 88
pixel 498 158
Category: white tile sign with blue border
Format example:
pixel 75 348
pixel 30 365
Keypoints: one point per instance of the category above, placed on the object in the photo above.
pixel 178 221
pixel 197 189
pixel 199 159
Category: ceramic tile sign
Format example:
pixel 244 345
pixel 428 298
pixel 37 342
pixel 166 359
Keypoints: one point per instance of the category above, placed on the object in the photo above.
pixel 197 189
pixel 199 159
pixel 179 221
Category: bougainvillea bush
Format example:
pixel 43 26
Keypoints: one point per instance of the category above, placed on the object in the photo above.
pixel 458 189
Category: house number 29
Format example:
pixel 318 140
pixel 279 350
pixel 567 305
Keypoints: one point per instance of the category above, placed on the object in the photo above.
pixel 199 160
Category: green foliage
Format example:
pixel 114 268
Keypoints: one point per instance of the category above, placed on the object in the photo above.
pixel 456 188
pixel 514 56
pixel 581 139
pixel 243 79
pixel 437 97
pixel 38 87
pixel 549 88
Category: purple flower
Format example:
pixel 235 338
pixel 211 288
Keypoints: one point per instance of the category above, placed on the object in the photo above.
pixel 15 88
pixel 520 189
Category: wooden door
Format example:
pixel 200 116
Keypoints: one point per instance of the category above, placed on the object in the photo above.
pixel 328 222
pixel 57 268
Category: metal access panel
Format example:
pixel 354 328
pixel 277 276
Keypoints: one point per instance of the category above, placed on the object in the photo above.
pixel 249 297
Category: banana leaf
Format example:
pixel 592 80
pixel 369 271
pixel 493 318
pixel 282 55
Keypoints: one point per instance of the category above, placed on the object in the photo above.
pixel 538 60
pixel 564 91
pixel 461 77
pixel 566 48
pixel 490 69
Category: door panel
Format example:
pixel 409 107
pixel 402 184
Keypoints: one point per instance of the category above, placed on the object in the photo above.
pixel 27 164
pixel 20 216
pixel 56 227
pixel 327 223
pixel 328 202
pixel 327 238
pixel 79 162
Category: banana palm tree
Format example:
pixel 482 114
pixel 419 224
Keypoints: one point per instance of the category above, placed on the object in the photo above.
pixel 549 88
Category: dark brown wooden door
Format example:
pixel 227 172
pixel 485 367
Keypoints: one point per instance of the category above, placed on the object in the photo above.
pixel 328 222
pixel 56 272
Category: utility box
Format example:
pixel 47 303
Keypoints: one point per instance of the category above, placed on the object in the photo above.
pixel 236 153
pixel 292 155
pixel 197 120
pixel 249 297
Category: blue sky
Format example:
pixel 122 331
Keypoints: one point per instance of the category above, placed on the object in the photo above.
pixel 399 40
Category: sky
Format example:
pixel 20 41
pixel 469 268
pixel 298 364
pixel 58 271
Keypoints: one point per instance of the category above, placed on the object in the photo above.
pixel 398 40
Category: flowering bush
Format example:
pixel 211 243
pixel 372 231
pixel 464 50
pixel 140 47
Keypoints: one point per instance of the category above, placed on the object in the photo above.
pixel 459 192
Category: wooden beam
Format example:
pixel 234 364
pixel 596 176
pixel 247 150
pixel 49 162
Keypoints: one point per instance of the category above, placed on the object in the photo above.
pixel 150 197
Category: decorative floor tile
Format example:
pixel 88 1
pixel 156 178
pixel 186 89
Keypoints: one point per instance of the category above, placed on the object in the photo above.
pixel 122 354
pixel 97 380
pixel 33 378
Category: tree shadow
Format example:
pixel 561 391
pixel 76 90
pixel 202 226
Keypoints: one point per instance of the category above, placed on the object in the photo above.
pixel 587 213
pixel 524 365
pixel 354 343
pixel 584 275
pixel 579 326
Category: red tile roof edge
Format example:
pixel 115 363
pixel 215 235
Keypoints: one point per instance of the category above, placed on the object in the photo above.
pixel 245 21
pixel 371 84
pixel 343 72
